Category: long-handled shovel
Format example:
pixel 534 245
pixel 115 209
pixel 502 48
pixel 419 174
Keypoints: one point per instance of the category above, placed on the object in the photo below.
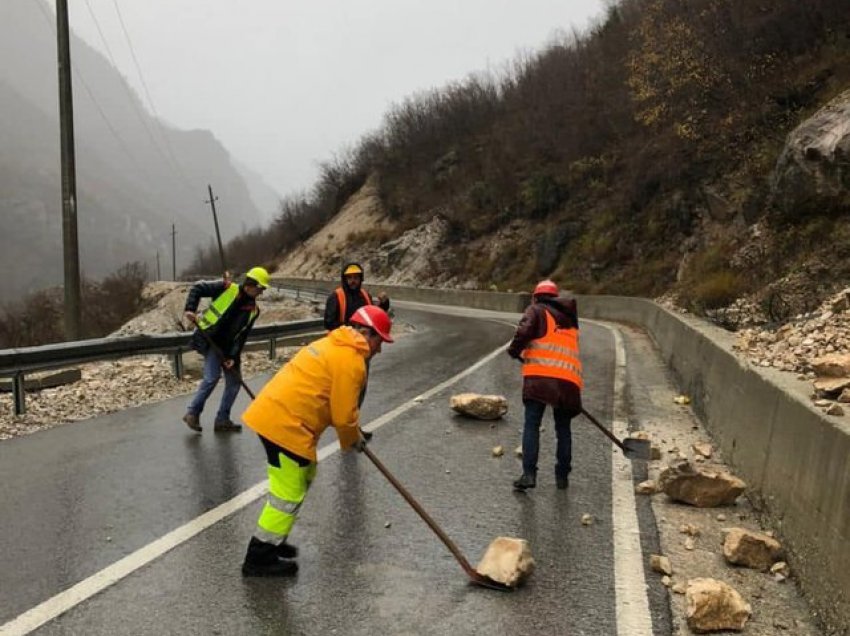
pixel 475 577
pixel 632 448
pixel 220 355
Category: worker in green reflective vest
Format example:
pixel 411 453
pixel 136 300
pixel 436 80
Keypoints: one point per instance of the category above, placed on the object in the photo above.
pixel 226 323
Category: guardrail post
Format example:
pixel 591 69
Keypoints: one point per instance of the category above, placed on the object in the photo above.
pixel 19 393
pixel 177 364
pixel 272 348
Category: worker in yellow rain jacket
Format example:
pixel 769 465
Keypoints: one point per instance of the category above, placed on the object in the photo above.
pixel 318 388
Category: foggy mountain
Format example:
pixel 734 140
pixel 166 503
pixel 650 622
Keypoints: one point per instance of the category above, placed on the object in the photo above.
pixel 135 175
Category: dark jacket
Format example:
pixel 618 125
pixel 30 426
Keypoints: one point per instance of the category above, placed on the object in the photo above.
pixel 353 301
pixel 232 329
pixel 552 391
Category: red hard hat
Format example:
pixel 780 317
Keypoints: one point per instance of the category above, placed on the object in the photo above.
pixel 376 318
pixel 547 287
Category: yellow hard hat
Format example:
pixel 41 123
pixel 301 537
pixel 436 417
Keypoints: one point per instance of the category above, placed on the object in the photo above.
pixel 260 275
pixel 353 269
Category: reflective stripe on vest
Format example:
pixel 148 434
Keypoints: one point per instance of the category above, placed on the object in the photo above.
pixel 220 305
pixel 341 301
pixel 555 355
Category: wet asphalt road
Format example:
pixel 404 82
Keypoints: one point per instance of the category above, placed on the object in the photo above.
pixel 77 498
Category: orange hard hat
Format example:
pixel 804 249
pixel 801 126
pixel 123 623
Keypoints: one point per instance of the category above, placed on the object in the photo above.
pixel 376 318
pixel 546 287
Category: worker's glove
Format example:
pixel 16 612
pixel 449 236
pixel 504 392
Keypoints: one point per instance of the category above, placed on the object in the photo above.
pixel 191 317
pixel 360 444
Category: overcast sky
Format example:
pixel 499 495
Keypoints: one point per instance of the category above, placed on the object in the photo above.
pixel 286 84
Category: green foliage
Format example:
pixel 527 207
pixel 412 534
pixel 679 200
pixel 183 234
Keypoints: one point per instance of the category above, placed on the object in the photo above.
pixel 709 282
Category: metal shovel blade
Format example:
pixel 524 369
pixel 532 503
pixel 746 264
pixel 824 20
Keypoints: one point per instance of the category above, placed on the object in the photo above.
pixel 637 448
pixel 476 578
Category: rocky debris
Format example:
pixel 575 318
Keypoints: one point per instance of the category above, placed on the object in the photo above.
pixel 689 529
pixel 751 549
pixel 661 564
pixel 482 407
pixel 699 487
pixel 518 451
pixel 713 606
pixel 507 560
pixel 498 451
pixel 834 409
pixel 587 519
pixel 815 346
pixel 682 399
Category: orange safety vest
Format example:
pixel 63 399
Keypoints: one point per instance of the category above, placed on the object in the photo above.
pixel 555 355
pixel 340 299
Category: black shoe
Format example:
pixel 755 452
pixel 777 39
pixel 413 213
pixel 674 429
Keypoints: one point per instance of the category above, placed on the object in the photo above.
pixel 192 421
pixel 262 560
pixel 525 482
pixel 367 435
pixel 226 426
pixel 562 483
pixel 287 550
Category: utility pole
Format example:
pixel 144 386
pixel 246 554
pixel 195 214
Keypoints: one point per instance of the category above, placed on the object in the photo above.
pixel 158 275
pixel 217 233
pixel 70 247
pixel 173 253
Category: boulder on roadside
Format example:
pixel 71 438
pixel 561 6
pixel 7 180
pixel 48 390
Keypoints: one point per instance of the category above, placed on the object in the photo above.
pixel 713 605
pixel 699 487
pixel 482 407
pixel 507 560
pixel 661 564
pixel 751 549
pixel 833 365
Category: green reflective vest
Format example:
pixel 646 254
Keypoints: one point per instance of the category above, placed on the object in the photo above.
pixel 220 305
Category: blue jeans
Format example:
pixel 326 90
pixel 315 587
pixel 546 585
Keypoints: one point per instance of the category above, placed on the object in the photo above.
pixel 531 439
pixel 212 372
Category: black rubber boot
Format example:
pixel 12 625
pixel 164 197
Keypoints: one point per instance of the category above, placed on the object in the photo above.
pixel 525 482
pixel 562 483
pixel 287 550
pixel 262 560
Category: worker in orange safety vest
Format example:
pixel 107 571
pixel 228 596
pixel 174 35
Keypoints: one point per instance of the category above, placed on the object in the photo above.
pixel 546 341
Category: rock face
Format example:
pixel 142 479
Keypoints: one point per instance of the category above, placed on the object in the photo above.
pixel 482 407
pixel 715 606
pixel 507 560
pixel 699 487
pixel 814 167
pixel 752 549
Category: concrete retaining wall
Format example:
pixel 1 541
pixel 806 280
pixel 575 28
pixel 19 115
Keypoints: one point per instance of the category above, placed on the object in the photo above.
pixel 795 459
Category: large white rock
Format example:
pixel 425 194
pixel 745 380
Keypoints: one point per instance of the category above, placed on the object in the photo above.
pixel 699 487
pixel 482 407
pixel 715 606
pixel 752 549
pixel 507 560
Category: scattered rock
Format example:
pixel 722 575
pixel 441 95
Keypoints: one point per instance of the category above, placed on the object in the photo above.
pixel 835 409
pixel 689 529
pixel 752 549
pixel 690 544
pixel 682 399
pixel 507 560
pixel 834 365
pixel 666 581
pixel 647 487
pixel 388 524
pixel 713 605
pixel 482 407
pixel 661 564
pixel 518 451
pixel 698 486
pixel 498 451
pixel 703 449
pixel 721 517
pixel 679 588
pixel 586 519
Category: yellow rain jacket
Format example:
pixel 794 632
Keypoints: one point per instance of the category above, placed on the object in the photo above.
pixel 317 388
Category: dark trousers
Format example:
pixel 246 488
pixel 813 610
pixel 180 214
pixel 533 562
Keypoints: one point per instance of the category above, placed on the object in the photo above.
pixel 531 439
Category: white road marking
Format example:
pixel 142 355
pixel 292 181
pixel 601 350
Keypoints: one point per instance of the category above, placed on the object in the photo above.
pixel 632 601
pixel 51 608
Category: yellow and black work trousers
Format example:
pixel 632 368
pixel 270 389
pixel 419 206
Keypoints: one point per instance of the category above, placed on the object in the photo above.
pixel 290 477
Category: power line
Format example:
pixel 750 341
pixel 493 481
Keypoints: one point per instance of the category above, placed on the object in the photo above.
pixel 150 99
pixel 130 96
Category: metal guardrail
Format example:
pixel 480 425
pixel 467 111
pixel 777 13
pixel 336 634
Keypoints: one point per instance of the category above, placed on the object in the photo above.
pixel 16 363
